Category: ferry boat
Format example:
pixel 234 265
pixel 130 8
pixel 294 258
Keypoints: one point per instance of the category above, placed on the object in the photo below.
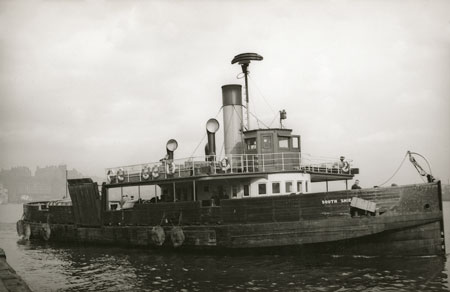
pixel 258 194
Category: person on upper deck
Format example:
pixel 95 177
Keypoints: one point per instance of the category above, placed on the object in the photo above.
pixel 341 162
pixel 356 186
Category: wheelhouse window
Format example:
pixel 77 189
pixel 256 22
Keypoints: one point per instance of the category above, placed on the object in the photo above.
pixel 251 143
pixel 246 190
pixel 289 187
pixel 275 188
pixel 283 142
pixel 267 142
pixel 262 189
pixel 295 142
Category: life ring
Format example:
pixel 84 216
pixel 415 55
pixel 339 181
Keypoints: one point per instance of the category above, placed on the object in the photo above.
pixel 346 167
pixel 20 228
pixel 145 173
pixel 157 235
pixel 120 175
pixel 177 236
pixel 170 167
pixel 225 164
pixel 45 231
pixel 155 171
pixel 109 175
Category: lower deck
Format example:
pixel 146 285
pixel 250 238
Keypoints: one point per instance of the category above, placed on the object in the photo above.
pixel 298 219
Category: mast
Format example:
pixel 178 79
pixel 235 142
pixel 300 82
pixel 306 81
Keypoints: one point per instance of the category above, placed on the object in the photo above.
pixel 244 61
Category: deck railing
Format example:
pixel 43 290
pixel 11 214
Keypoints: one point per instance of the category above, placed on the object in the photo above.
pixel 214 165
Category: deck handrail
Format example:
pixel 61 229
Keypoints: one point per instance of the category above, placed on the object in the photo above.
pixel 217 165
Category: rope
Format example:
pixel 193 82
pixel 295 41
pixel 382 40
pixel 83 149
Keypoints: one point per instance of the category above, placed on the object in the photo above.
pixel 240 118
pixel 242 75
pixel 203 138
pixel 422 172
pixel 267 103
pixel 276 115
pixel 419 168
pixel 258 120
pixel 401 164
pixel 221 149
pixel 201 141
pixel 422 179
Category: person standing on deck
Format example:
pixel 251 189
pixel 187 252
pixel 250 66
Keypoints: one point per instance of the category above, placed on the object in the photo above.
pixel 356 186
pixel 341 165
pixel 122 201
pixel 341 162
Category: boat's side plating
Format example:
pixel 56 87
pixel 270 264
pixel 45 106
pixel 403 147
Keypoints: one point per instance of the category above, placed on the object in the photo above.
pixel 421 239
pixel 408 221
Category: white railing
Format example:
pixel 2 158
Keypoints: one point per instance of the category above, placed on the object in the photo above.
pixel 212 165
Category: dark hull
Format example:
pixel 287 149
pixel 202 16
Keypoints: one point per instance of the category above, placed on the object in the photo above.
pixel 422 239
pixel 411 223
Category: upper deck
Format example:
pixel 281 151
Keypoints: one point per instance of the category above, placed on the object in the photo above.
pixel 248 152
pixel 233 165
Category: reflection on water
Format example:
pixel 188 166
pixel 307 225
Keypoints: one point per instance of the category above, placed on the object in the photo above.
pixel 50 267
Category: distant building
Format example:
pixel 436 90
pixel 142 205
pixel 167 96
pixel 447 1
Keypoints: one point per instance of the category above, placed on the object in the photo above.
pixel 47 183
pixel 3 195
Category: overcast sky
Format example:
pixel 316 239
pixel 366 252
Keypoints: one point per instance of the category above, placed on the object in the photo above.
pixel 95 84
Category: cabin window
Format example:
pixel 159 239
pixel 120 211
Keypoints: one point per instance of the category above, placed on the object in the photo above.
pixel 267 142
pixel 306 186
pixel 262 189
pixel 221 191
pixel 206 188
pixel 295 143
pixel 251 143
pixel 246 190
pixel 275 188
pixel 283 142
pixel 234 191
pixel 288 187
pixel 300 186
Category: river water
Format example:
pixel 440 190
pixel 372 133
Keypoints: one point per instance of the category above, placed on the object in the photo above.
pixel 56 267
